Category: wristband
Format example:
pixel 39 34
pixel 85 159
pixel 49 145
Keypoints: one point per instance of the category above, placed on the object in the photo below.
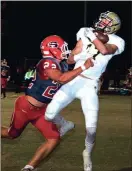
pixel 76 57
pixel 92 37
pixel 83 67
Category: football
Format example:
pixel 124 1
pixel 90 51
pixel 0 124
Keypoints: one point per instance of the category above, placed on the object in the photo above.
pixel 101 36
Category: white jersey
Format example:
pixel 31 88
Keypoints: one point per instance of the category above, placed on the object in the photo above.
pixel 100 61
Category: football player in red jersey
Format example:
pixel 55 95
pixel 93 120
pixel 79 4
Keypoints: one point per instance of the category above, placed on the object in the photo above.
pixel 51 72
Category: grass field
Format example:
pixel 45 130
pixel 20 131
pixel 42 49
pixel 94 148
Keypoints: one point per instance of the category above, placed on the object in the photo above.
pixel 113 143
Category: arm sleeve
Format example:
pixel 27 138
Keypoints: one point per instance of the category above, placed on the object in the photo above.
pixel 80 33
pixel 119 42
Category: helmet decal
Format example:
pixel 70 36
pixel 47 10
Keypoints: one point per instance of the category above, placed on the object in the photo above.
pixel 53 44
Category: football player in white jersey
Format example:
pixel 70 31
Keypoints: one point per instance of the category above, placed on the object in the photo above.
pixel 85 86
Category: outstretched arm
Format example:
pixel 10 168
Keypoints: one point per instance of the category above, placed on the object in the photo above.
pixel 75 51
pixel 63 78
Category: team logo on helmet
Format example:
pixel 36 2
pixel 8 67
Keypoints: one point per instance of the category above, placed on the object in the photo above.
pixel 53 44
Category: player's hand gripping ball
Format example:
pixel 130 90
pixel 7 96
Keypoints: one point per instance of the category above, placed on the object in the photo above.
pixel 101 36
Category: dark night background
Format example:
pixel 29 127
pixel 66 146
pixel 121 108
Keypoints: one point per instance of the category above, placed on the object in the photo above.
pixel 27 23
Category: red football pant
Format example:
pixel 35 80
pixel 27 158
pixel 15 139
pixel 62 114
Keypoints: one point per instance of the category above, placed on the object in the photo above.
pixel 3 82
pixel 25 113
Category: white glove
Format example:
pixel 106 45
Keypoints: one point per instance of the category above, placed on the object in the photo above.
pixel 80 35
pixel 89 33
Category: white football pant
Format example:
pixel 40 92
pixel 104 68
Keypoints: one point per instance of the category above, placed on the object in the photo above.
pixel 81 88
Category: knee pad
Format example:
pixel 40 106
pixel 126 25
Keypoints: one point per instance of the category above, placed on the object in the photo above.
pixel 90 136
pixel 52 110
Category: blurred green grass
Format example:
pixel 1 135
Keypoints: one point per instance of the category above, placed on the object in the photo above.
pixel 113 142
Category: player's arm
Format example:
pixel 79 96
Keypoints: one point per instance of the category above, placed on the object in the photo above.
pixel 115 45
pixel 56 75
pixel 102 48
pixel 105 48
pixel 9 75
pixel 75 51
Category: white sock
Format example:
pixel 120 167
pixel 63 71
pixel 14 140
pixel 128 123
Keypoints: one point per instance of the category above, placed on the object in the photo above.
pixel 29 166
pixel 86 157
pixel 89 147
pixel 59 120
pixel 90 139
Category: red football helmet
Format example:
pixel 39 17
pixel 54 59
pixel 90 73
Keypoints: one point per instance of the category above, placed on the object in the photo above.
pixel 54 46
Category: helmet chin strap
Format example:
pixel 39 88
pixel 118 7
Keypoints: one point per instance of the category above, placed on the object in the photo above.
pixel 99 29
pixel 51 53
pixel 55 56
